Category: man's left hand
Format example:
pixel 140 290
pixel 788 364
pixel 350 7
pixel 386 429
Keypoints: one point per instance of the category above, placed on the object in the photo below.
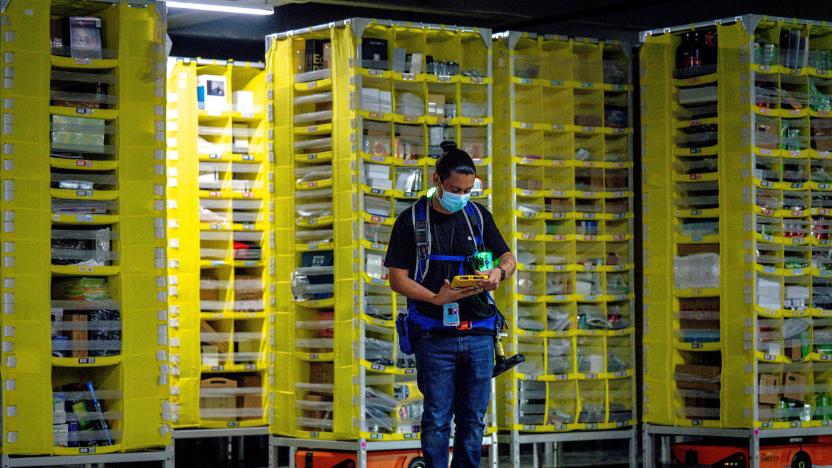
pixel 493 281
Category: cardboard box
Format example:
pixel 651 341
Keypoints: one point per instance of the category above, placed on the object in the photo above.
pixel 209 295
pixel 699 408
pixel 317 413
pixel 79 336
pixel 321 373
pixel 249 402
pixel 793 350
pixel 248 288
pixel 210 292
pixel 699 304
pixel 218 402
pixel 769 389
pixel 327 55
pixel 698 377
pixel 683 250
pixel 205 327
pixel 794 386
pixel 685 324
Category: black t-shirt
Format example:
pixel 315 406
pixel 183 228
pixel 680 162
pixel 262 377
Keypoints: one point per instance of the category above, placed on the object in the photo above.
pixel 450 235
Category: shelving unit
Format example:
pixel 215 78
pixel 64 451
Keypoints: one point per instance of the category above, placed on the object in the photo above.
pixel 360 141
pixel 564 159
pixel 735 203
pixel 83 232
pixel 220 242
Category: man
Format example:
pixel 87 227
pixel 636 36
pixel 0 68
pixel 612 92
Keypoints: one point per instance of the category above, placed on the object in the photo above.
pixel 452 330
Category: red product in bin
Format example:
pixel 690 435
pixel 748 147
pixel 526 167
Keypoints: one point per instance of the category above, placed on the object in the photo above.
pixel 811 451
pixel 385 459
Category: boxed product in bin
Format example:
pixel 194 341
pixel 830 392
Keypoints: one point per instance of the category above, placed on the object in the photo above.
pixel 821 135
pixel 374 53
pixel 240 140
pixel 243 102
pixel 769 389
pixel 321 373
pixel 77 131
pixel 212 337
pixel 210 355
pixel 698 377
pixel 320 401
pixel 209 287
pixel 794 386
pixel 84 288
pixel 211 95
pixel 218 401
pixel 250 401
pixel 248 287
pixel 82 34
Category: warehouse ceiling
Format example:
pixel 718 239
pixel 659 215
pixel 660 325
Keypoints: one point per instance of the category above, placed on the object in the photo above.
pixel 219 35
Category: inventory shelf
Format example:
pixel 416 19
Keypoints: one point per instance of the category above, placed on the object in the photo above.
pixel 751 220
pixel 220 184
pixel 565 171
pixel 81 318
pixel 414 85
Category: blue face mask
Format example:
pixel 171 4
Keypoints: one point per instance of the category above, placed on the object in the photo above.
pixel 453 202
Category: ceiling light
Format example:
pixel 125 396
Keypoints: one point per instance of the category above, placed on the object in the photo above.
pixel 249 8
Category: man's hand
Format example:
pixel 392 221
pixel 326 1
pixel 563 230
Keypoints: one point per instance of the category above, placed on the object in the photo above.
pixel 447 294
pixel 493 281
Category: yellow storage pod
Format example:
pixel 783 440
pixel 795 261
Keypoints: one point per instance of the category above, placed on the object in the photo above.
pixel 84 354
pixel 220 240
pixel 360 108
pixel 564 201
pixel 736 212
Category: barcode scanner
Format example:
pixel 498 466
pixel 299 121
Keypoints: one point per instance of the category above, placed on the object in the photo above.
pixel 502 363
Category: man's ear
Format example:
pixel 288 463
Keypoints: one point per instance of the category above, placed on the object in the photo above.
pixel 436 179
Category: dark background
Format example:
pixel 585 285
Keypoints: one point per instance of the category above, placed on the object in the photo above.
pixel 207 35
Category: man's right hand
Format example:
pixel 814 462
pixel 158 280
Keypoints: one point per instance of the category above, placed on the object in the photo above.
pixel 448 294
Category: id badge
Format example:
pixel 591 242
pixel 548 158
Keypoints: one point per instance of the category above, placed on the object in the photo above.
pixel 450 315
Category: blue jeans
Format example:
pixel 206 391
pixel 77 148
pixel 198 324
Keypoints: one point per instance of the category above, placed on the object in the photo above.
pixel 454 375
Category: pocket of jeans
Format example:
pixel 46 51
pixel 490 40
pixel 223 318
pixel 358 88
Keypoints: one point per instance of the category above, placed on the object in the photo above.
pixel 482 356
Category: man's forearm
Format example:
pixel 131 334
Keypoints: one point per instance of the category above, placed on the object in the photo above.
pixel 508 263
pixel 412 290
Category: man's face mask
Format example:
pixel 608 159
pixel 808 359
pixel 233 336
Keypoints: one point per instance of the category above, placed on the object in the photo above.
pixel 453 202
